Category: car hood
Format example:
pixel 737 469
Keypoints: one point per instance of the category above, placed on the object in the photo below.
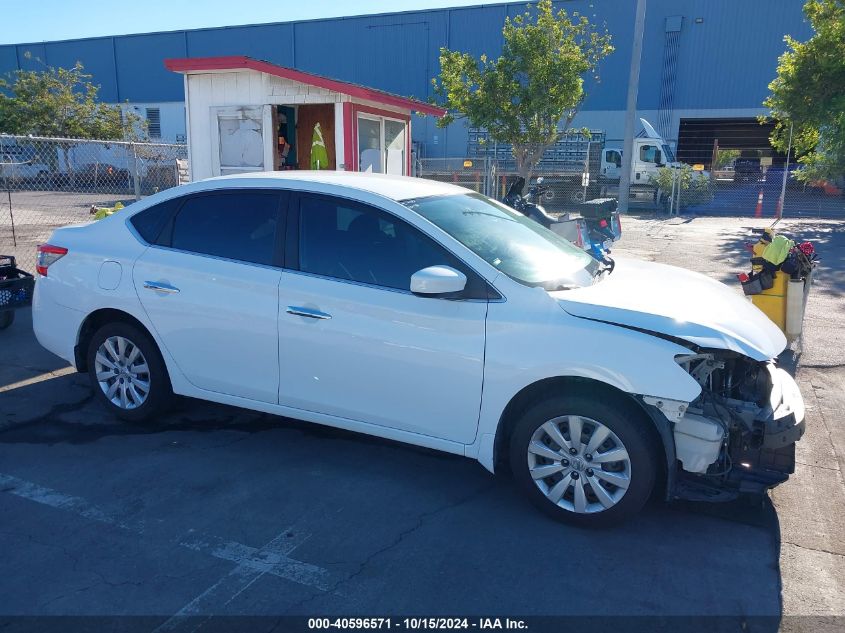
pixel 679 303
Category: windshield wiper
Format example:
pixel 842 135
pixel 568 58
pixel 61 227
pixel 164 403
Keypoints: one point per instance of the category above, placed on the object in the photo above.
pixel 494 215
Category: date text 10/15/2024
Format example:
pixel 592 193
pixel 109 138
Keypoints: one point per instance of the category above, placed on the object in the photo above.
pixel 435 624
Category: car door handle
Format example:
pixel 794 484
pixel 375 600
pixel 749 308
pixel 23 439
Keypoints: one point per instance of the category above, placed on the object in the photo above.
pixel 308 312
pixel 160 286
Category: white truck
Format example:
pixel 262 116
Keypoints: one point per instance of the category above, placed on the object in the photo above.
pixel 651 153
pixel 581 167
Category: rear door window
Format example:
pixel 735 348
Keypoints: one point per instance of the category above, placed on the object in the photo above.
pixel 239 225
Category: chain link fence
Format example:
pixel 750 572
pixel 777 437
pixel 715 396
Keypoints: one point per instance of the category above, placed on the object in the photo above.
pixel 565 190
pixel 747 182
pixel 573 171
pixel 46 183
pixel 470 173
pixel 755 181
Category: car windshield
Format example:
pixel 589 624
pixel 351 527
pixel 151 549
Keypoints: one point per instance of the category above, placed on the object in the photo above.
pixel 668 154
pixel 520 248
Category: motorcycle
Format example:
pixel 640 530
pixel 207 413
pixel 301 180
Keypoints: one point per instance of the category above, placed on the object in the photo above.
pixel 528 205
pixel 593 231
pixel 600 233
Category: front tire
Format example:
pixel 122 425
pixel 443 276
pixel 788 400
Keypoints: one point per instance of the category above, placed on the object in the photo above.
pixel 127 372
pixel 583 461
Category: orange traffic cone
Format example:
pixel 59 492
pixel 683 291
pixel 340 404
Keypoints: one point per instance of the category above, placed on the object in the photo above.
pixel 758 212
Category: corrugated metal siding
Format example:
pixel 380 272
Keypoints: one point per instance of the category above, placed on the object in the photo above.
pixel 387 52
pixel 724 62
pixel 37 56
pixel 609 92
pixel 141 73
pixel 96 55
pixel 8 59
pixel 477 30
pixel 271 42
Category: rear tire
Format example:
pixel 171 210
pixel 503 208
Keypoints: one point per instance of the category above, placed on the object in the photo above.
pixel 583 461
pixel 127 372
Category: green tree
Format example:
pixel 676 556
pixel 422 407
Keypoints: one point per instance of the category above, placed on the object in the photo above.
pixel 725 156
pixel 689 185
pixel 808 93
pixel 61 102
pixel 528 96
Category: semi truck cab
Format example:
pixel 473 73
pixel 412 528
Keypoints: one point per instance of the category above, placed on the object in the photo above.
pixel 650 154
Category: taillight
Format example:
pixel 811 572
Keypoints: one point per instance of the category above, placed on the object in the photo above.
pixel 48 255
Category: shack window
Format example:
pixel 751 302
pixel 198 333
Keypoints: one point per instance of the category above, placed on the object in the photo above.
pixel 382 144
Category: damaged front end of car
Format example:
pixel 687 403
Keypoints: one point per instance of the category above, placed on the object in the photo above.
pixel 739 435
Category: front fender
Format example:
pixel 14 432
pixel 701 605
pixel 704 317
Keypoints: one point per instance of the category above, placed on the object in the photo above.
pixel 522 350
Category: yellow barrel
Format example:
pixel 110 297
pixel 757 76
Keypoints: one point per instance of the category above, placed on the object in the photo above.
pixel 773 301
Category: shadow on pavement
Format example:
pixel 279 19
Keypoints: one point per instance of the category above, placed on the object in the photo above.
pixel 405 529
pixel 412 530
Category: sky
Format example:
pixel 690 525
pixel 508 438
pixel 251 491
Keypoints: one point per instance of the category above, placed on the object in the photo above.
pixel 46 20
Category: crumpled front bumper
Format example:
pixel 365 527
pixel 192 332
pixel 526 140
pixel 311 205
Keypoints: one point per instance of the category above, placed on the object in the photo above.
pixel 786 423
pixel 766 457
pixel 759 457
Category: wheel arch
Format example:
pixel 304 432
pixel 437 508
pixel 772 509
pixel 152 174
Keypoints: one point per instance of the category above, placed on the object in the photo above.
pixel 95 321
pixel 658 425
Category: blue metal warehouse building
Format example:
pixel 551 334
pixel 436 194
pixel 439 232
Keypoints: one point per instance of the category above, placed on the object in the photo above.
pixel 705 65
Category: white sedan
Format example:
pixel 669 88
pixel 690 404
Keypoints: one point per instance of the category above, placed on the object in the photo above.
pixel 425 313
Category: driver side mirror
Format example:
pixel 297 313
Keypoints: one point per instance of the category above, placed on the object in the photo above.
pixel 438 281
pixel 540 180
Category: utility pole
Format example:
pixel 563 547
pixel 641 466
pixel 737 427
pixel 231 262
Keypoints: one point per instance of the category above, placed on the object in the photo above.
pixel 631 108
pixel 785 175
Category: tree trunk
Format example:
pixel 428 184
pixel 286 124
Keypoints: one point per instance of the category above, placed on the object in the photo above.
pixel 524 168
pixel 527 156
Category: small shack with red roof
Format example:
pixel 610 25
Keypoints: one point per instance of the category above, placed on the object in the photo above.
pixel 248 115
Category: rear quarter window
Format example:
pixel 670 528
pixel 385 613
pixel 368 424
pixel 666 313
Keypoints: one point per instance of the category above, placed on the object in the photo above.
pixel 149 222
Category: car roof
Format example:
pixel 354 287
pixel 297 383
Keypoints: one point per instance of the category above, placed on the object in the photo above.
pixel 393 187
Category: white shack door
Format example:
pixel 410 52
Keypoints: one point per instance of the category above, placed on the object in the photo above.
pixel 242 139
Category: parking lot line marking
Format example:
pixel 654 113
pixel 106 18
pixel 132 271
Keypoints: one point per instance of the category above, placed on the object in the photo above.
pixel 232 585
pixel 273 558
pixel 55 499
pixel 251 563
pixel 64 371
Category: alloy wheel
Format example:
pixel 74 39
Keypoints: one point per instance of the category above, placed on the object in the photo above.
pixel 579 464
pixel 122 372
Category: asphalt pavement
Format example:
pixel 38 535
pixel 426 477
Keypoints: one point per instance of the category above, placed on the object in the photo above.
pixel 217 510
